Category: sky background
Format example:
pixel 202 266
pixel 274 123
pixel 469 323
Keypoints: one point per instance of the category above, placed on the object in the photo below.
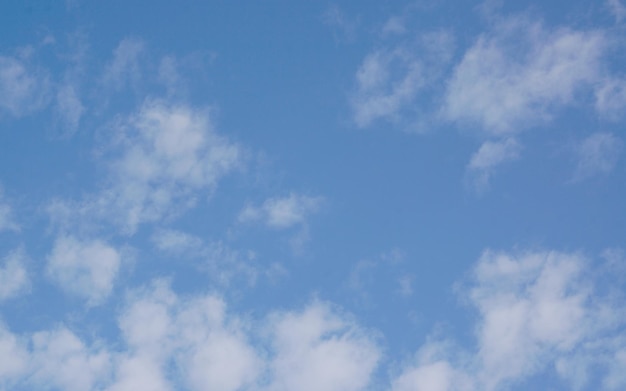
pixel 329 196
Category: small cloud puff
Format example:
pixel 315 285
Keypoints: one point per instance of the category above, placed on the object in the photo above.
pixel 84 268
pixel 282 212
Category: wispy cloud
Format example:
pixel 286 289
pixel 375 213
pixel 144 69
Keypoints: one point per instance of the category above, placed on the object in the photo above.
pixel 161 159
pixel 282 212
pixel 596 155
pixel 489 156
pixel 124 69
pixel 344 27
pixel 23 89
pixel 7 218
pixel 389 81
pixel 14 278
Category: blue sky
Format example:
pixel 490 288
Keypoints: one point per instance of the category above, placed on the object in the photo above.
pixel 328 196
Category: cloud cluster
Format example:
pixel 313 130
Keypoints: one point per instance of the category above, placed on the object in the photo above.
pixel 171 342
pixel 537 312
pixel 516 76
pixel 160 159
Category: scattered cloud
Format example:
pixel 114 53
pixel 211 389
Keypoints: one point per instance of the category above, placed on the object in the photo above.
pixel 389 81
pixel 13 275
pixel 596 155
pixel 222 263
pixel 282 212
pixel 170 341
pixel 85 268
pixel 489 156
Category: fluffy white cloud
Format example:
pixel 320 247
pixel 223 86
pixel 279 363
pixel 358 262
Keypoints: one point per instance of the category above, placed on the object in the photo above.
pixel 597 155
pixel 537 313
pixel 86 268
pixel 319 350
pixel 489 156
pixel 519 74
pixel 167 153
pixel 282 212
pixel 13 275
pixel 60 360
pixel 22 90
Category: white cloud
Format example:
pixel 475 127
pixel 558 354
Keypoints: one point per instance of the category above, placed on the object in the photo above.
pixel 167 153
pixel 518 75
pixel 282 212
pixel 317 349
pixel 87 269
pixel 124 68
pixel 489 156
pixel 14 358
pixel 13 275
pixel 597 155
pixel 61 360
pixel 171 342
pixel 22 90
pixel 537 312
pixel 161 159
